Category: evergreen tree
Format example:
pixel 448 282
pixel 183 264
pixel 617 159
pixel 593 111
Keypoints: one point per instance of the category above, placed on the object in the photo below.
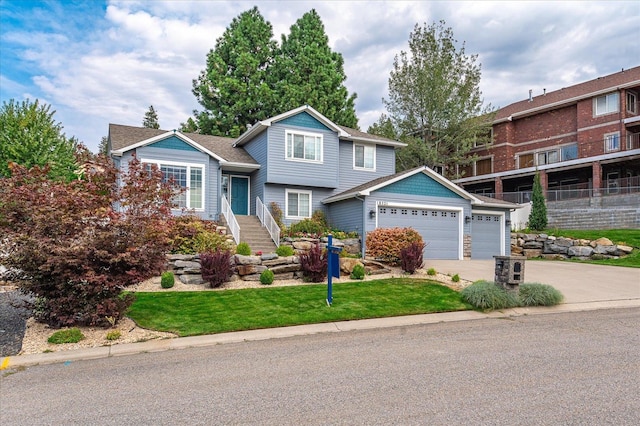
pixel 29 136
pixel 307 72
pixel 151 119
pixel 538 215
pixel 103 148
pixel 233 88
pixel 435 101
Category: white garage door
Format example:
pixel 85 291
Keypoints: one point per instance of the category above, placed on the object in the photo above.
pixel 440 229
pixel 485 236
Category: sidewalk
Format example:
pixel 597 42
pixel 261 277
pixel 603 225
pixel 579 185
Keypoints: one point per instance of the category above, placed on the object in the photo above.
pixel 585 287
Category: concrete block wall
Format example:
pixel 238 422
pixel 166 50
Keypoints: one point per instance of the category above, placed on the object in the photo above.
pixel 606 212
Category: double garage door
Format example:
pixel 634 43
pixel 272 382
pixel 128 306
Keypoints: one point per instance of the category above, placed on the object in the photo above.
pixel 440 229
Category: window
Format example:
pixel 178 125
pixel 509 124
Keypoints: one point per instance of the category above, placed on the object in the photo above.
pixel 190 177
pixel 304 146
pixel 612 142
pixel 483 167
pixel 548 157
pixel 525 160
pixel 364 157
pixel 569 152
pixel 606 104
pixel 632 105
pixel 298 203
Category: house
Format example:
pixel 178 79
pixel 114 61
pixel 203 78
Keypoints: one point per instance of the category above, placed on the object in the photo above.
pixel 583 140
pixel 303 162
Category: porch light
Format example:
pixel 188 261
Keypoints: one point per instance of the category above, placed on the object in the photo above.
pixel 372 214
pixel 467 219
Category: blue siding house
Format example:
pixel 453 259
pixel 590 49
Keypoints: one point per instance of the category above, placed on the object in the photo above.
pixel 304 162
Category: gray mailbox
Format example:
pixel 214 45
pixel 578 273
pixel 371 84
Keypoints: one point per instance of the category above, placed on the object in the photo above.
pixel 509 272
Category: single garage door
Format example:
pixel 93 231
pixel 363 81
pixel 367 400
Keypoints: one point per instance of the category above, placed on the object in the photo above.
pixel 440 229
pixel 485 236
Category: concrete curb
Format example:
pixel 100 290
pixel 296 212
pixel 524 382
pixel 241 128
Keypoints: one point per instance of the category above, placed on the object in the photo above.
pixel 301 330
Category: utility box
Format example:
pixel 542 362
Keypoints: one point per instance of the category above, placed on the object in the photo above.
pixel 509 272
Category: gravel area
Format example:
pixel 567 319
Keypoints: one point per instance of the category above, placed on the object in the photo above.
pixel 21 334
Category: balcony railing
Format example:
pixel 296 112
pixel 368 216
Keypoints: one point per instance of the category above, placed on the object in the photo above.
pixel 232 223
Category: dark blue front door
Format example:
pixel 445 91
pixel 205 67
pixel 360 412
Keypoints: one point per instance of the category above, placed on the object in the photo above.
pixel 240 195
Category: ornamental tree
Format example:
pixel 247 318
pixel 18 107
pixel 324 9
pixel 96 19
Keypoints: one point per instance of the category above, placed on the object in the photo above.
pixel 76 245
pixel 538 215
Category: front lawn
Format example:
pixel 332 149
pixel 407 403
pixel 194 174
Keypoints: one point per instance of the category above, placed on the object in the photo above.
pixel 627 237
pixel 203 312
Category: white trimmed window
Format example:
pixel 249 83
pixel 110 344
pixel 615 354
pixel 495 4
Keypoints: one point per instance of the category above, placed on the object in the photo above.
pixel 632 103
pixel 303 146
pixel 605 104
pixel 483 167
pixel 364 157
pixel 612 142
pixel 187 176
pixel 297 204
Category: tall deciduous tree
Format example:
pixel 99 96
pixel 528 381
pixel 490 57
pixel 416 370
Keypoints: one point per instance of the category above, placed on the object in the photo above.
pixel 307 72
pixel 29 136
pixel 435 101
pixel 151 119
pixel 538 215
pixel 233 89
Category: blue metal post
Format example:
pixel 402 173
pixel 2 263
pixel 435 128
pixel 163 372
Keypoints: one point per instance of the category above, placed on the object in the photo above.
pixel 329 271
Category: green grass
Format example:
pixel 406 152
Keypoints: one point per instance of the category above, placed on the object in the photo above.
pixel 195 313
pixel 627 237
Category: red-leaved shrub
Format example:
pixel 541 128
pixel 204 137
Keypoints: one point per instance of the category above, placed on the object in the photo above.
pixel 216 267
pixel 385 244
pixel 314 264
pixel 411 257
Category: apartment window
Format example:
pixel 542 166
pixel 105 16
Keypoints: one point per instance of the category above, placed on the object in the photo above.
pixel 483 167
pixel 612 142
pixel 298 204
pixel 364 157
pixel 483 141
pixel 548 157
pixel 187 176
pixel 606 104
pixel 569 152
pixel 304 146
pixel 525 160
pixel 632 105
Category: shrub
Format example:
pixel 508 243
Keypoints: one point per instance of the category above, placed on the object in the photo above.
pixel 431 272
pixel 167 280
pixel 487 296
pixel 266 277
pixel 455 278
pixel 70 335
pixel 314 264
pixel 534 294
pixel 276 213
pixel 284 251
pixel 386 244
pixel 216 267
pixel 75 250
pixel 411 257
pixel 358 272
pixel 113 335
pixel 191 235
pixel 307 227
pixel 243 249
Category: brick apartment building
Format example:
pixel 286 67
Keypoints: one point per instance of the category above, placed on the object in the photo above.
pixel 583 139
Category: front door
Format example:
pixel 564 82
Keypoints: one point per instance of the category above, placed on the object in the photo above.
pixel 239 195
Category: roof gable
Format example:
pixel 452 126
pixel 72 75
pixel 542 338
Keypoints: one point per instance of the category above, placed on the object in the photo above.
pixel 420 184
pixel 173 142
pixel 304 119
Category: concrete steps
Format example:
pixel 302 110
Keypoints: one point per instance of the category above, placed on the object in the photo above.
pixel 254 234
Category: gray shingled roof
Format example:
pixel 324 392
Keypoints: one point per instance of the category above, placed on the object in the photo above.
pixel 125 136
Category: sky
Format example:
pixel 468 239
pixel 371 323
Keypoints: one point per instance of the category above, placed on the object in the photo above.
pixel 100 62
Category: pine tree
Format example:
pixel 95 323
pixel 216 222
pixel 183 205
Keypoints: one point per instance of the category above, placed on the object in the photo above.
pixel 307 72
pixel 538 215
pixel 151 119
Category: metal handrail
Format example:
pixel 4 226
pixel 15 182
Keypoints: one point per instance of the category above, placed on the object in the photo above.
pixel 232 222
pixel 268 221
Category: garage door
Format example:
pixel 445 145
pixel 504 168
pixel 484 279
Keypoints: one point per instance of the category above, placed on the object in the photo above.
pixel 485 236
pixel 440 229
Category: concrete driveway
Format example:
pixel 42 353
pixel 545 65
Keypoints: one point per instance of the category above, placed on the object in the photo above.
pixel 578 282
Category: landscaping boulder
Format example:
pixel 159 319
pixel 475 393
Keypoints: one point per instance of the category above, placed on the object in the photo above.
pixel 580 251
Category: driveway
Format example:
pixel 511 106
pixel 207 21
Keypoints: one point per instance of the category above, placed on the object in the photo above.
pixel 578 282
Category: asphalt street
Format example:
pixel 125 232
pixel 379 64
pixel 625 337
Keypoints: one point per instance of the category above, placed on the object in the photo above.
pixel 569 368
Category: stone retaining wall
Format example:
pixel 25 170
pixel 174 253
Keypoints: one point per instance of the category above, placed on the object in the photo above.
pixel 248 268
pixel 550 247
